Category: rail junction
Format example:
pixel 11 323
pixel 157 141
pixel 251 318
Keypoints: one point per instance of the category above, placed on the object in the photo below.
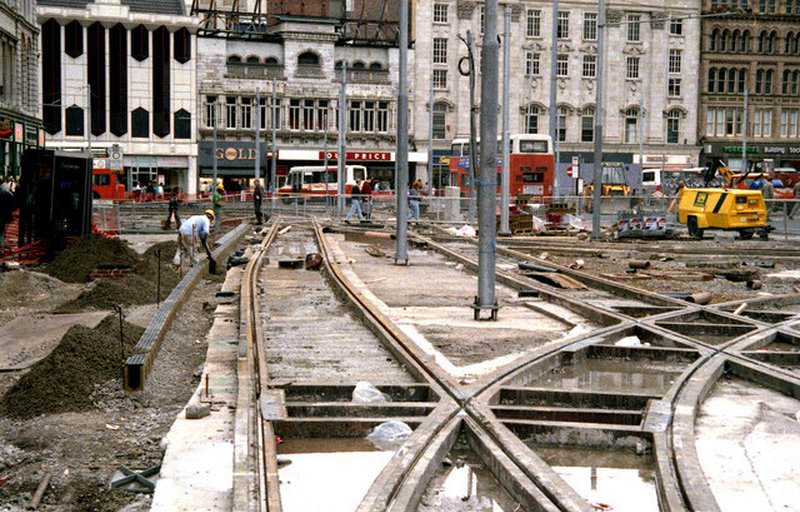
pixel 591 396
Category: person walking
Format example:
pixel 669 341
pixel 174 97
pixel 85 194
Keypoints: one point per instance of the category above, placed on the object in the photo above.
pixel 355 203
pixel 172 210
pixel 366 198
pixel 196 227
pixel 217 200
pixel 7 207
pixel 768 191
pixel 796 206
pixel 258 196
pixel 414 200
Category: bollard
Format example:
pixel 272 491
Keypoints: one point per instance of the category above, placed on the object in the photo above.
pixel 785 220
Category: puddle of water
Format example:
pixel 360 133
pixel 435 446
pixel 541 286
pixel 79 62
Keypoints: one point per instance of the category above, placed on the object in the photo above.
pixel 320 469
pixel 622 480
pixel 613 375
pixel 466 485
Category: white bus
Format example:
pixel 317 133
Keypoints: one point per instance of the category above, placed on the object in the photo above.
pixel 314 180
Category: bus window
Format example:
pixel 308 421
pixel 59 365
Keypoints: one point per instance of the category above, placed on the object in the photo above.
pixel 533 146
pixel 455 150
pixel 359 173
pixel 532 177
pixel 102 179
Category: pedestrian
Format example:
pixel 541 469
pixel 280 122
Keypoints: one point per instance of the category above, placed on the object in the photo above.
pixel 196 227
pixel 768 191
pixel 172 210
pixel 5 184
pixel 796 205
pixel 217 200
pixel 413 200
pixel 258 195
pixel 7 207
pixel 355 203
pixel 366 198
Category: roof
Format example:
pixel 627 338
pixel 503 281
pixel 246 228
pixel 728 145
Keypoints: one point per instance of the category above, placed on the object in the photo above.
pixel 172 7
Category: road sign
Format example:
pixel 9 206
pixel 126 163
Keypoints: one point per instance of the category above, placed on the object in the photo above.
pixel 569 171
pixel 115 158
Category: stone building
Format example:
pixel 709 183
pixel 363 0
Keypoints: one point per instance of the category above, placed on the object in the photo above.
pixel 137 59
pixel 20 123
pixel 651 92
pixel 301 50
pixel 757 53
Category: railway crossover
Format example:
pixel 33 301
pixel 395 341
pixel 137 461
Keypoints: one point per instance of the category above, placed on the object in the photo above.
pixel 599 396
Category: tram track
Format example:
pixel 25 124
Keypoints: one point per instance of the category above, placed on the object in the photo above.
pixel 476 409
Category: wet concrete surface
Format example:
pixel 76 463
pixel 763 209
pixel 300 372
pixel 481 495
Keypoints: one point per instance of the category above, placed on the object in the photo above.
pixel 310 334
pixel 748 444
pixel 614 375
pixel 620 480
pixel 330 474
pixel 464 484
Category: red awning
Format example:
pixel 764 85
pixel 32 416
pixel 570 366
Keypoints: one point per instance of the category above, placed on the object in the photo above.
pixel 5 132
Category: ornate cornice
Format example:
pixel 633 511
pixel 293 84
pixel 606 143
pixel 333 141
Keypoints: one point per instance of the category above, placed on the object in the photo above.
pixel 464 8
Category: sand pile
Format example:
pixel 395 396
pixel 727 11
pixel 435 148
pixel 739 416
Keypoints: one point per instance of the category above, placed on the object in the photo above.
pixel 26 288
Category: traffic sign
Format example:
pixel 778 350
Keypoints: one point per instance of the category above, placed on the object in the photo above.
pixel 569 171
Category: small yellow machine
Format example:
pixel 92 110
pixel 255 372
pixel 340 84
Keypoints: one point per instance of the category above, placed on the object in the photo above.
pixel 727 209
pixel 615 190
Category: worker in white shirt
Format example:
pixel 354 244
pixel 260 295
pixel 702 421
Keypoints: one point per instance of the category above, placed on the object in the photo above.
pixel 196 227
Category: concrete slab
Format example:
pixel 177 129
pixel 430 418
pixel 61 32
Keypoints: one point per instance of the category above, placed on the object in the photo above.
pixel 28 339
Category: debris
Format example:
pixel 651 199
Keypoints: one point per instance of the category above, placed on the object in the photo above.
pixel 577 264
pixel 39 494
pixel 544 255
pixel 195 411
pixel 763 264
pixel 629 341
pixel 465 231
pixel 666 258
pixel 366 393
pixel 755 284
pixel 786 274
pixel 285 230
pixel 293 263
pixel 582 236
pixel 737 275
pixel 639 264
pixel 556 280
pixel 576 222
pixel 701 298
pixel 375 251
pixel 112 427
pixel 389 435
pixel 740 309
pixel 313 261
pixel 236 260
pixel 714 264
pixel 11 265
pixel 460 266
pixel 534 267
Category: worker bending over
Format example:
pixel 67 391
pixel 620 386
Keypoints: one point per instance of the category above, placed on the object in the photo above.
pixel 194 228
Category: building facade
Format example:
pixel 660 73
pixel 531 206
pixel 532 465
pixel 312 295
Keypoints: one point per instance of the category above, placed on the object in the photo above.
pixel 756 54
pixel 301 53
pixel 20 123
pixel 123 73
pixel 652 54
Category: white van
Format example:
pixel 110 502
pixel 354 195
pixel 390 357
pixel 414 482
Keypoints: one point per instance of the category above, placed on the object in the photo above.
pixel 666 181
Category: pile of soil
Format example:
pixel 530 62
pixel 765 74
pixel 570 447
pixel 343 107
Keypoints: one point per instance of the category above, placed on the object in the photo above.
pixel 136 288
pixel 78 260
pixel 22 287
pixel 64 380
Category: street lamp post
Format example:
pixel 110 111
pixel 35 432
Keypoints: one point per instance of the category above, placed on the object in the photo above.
pixel 401 161
pixel 597 166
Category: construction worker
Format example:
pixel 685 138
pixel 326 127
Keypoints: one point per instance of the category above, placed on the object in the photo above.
pixel 196 227
pixel 217 199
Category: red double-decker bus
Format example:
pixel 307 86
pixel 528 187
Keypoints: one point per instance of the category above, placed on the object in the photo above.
pixel 532 165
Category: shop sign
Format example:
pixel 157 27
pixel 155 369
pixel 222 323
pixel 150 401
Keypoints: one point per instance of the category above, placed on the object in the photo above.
pixel 738 149
pixel 361 156
pixel 19 132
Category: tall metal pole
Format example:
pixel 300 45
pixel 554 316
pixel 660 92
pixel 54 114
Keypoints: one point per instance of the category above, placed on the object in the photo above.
pixel 597 166
pixel 506 177
pixel 273 176
pixel 473 151
pixel 554 92
pixel 744 125
pixel 258 133
pixel 401 242
pixel 487 184
pixel 214 147
pixel 342 157
pixel 87 217
pixel 430 135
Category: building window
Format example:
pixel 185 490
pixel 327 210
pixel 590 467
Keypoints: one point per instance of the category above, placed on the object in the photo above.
pixel 308 59
pixel 532 119
pixel 789 119
pixel 631 125
pixel 440 79
pixel 140 43
pixel 73 39
pixel 183 124
pixel 762 123
pixel 563 25
pixel 533 27
pixel 532 64
pixel 742 80
pixel 590 26
pixel 140 123
pixel 294 114
pixel 562 124
pixel 483 17
pixel 587 125
pixel 246 109
pixel 276 114
pixel 634 28
pixel 211 111
pixel 369 116
pixel 322 115
pixel 183 45
pixel 440 13
pixel 673 127
pixel 589 66
pixel 562 65
pixel 308 115
pixel 262 113
pixel 676 26
pixel 439 120
pixel 770 75
pixel 355 116
pixel 440 51
pixel 722 122
pixel 230 112
pixel 731 81
pixel 675 61
pixel 74 120
pixel 383 116
pixel 674 87
pixel 632 68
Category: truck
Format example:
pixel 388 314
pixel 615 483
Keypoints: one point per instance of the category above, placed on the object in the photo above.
pixel 105 183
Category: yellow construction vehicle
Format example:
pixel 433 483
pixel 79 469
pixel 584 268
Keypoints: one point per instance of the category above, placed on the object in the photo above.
pixel 726 209
pixel 615 189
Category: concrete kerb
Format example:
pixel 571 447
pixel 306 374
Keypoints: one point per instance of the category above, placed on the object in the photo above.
pixel 137 369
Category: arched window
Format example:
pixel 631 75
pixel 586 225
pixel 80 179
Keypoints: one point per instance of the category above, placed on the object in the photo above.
pixel 731 81
pixel 788 43
pixel 234 59
pixel 271 61
pixel 795 82
pixel 562 123
pixel 744 42
pixel 631 125
pixel 440 120
pixel 252 59
pixel 726 36
pixel 713 43
pixel 759 81
pixel 735 41
pixel 712 79
pixel 721 78
pixel 308 59
pixel 532 119
pixel 376 66
pixel 742 80
pixel 772 47
pixel 339 64
pixel 762 42
pixel 674 127
pixel 587 125
pixel 359 65
pixel 787 75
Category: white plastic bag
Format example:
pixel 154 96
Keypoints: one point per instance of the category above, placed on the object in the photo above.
pixel 629 341
pixel 389 435
pixel 366 393
pixel 538 224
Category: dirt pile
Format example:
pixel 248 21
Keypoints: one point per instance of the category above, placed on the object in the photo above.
pixel 78 260
pixel 64 380
pixel 27 288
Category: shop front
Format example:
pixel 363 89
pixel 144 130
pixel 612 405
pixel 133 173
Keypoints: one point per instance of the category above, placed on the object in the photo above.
pixel 17 134
pixel 168 171
pixel 764 156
